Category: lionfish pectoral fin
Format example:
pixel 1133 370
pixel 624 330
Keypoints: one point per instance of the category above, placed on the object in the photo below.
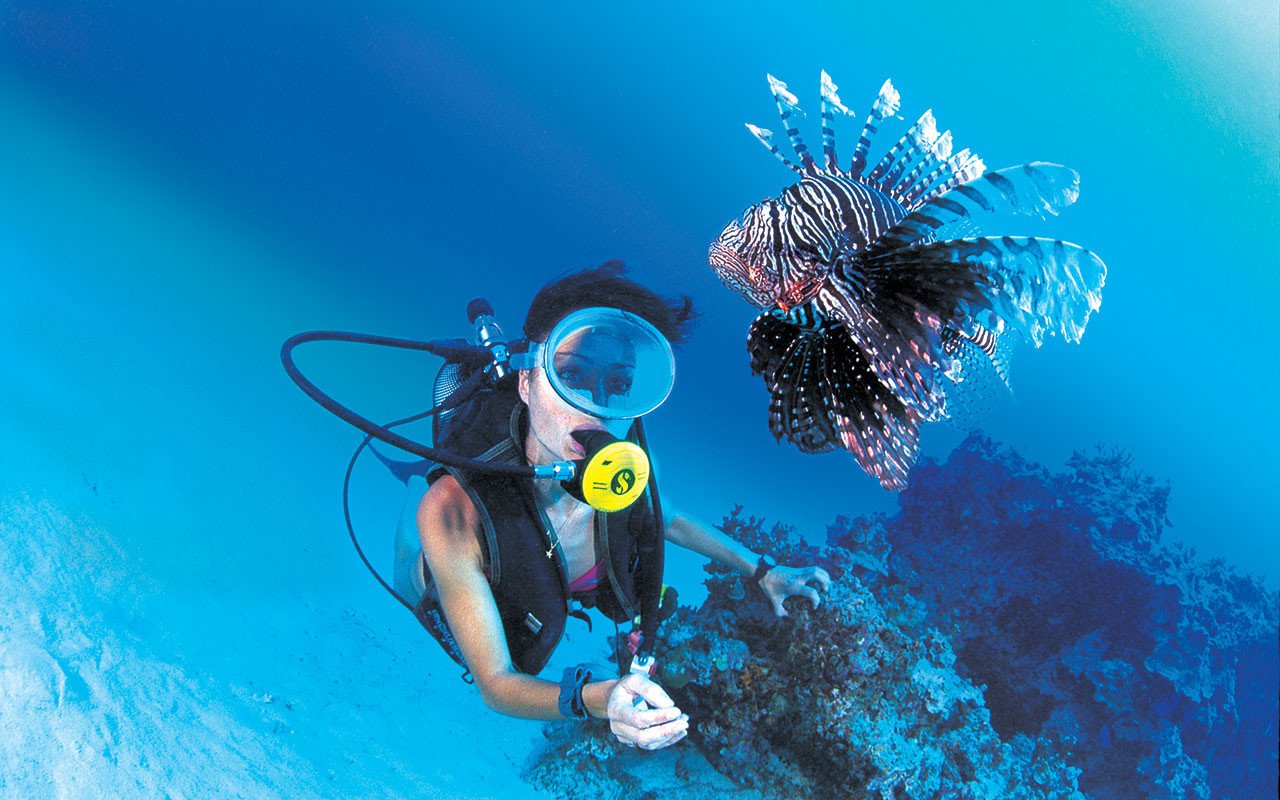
pixel 871 421
pixel 791 361
pixel 978 375
pixel 898 333
pixel 1036 286
pixel 824 394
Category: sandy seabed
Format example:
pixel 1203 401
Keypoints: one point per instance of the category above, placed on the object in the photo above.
pixel 112 686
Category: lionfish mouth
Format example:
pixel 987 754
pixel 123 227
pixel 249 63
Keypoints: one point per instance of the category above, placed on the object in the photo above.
pixel 797 294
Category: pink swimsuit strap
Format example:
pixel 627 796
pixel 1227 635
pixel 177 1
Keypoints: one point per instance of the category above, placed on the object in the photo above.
pixel 589 579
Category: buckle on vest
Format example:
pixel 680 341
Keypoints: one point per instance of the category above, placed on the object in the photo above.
pixel 532 623
pixel 576 611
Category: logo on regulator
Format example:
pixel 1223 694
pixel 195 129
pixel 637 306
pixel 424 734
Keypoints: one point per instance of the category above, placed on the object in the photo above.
pixel 623 481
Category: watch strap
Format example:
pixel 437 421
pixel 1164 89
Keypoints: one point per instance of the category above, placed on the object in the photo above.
pixel 762 567
pixel 570 701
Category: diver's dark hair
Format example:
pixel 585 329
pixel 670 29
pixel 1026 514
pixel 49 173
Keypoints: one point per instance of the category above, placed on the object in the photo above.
pixel 605 286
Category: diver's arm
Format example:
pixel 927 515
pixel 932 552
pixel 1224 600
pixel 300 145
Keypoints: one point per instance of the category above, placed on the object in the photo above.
pixel 448 526
pixel 778 583
pixel 691 534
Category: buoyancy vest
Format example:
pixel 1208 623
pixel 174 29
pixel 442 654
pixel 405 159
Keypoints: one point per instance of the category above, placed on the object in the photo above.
pixel 525 565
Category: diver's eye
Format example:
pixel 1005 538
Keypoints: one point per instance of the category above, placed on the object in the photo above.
pixel 570 376
pixel 618 386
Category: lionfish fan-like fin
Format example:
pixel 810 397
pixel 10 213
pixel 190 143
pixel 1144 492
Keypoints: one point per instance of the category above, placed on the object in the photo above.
pixel 896 320
pixel 873 424
pixel 1035 286
pixel 789 358
pixel 788 107
pixel 769 340
pixel 886 104
pixel 988 346
pixel 977 373
pixel 797 410
pixel 1038 189
pixel 913 146
pixel 959 229
pixel 765 137
pixel 830 104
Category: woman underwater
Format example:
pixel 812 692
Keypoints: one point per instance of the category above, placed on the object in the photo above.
pixel 486 563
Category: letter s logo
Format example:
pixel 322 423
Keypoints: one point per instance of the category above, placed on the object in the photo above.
pixel 623 481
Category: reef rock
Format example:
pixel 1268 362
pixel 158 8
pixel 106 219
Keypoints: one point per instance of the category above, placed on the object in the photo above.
pixel 859 698
pixel 1058 594
pixel 1009 634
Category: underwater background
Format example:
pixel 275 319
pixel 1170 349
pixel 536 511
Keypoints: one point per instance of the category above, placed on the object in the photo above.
pixel 184 186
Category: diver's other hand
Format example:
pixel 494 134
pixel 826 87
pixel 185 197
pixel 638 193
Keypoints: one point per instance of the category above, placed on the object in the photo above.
pixel 642 715
pixel 781 582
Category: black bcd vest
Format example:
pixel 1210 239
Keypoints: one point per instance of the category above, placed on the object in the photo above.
pixel 524 563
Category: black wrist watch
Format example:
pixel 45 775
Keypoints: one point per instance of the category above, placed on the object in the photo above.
pixel 765 564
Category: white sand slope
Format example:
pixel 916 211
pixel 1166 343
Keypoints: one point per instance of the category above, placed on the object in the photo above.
pixel 92 706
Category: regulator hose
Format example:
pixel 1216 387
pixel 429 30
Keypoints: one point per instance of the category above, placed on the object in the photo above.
pixel 452 349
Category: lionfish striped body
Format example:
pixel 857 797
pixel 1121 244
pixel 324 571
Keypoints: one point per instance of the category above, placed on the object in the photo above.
pixel 870 314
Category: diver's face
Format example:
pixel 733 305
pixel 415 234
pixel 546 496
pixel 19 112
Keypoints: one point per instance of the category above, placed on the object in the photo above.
pixel 552 421
pixel 597 365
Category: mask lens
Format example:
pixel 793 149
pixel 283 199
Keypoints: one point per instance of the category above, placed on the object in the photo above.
pixel 609 363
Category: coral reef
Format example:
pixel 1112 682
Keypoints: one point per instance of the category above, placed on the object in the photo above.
pixel 1059 596
pixel 1009 634
pixel 580 765
pixel 859 698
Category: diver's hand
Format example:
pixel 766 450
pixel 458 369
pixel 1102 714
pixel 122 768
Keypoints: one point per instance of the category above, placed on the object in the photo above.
pixel 642 715
pixel 782 582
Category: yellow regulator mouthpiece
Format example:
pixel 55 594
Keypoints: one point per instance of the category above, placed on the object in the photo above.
pixel 613 473
pixel 615 476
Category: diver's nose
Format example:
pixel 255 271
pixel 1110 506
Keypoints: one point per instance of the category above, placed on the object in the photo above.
pixel 599 394
pixel 594 393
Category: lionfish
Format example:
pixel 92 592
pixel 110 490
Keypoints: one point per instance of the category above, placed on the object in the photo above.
pixel 872 316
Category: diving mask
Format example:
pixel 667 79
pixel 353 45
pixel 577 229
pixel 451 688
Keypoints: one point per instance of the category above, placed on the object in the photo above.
pixel 605 362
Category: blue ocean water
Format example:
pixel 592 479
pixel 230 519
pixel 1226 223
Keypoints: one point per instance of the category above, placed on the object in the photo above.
pixel 183 187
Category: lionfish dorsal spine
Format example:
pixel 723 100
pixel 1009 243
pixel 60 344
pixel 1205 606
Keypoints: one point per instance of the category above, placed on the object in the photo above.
pixel 928 187
pixel 913 144
pixel 765 137
pixel 963 170
pixel 788 107
pixel 915 184
pixel 1039 189
pixel 830 104
pixel 886 104
pixel 945 177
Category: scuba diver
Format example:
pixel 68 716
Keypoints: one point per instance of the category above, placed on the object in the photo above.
pixel 531 511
